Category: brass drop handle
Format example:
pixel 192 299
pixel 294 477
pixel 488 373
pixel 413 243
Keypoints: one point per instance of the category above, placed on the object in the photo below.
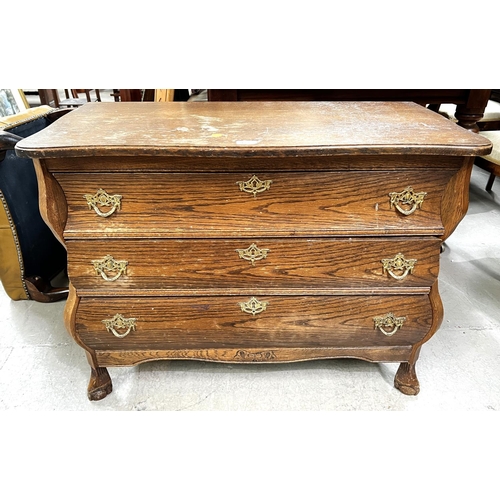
pixel 254 185
pixel 253 253
pixel 118 322
pixel 253 306
pixel 103 199
pixel 407 198
pixel 389 321
pixel 400 264
pixel 109 268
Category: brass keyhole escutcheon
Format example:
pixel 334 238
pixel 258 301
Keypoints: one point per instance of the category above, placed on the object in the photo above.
pixel 253 306
pixel 253 253
pixel 254 185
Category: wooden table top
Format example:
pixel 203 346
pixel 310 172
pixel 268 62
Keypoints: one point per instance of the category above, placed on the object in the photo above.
pixel 256 129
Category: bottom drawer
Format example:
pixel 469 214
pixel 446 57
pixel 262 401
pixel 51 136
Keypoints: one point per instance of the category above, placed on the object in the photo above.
pixel 270 321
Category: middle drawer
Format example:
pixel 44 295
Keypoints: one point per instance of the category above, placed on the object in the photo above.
pixel 196 265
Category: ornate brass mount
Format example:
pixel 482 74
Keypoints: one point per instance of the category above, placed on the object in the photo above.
pixel 254 185
pixel 409 198
pixel 399 263
pixel 383 323
pixel 118 322
pixel 103 199
pixel 253 306
pixel 253 253
pixel 110 265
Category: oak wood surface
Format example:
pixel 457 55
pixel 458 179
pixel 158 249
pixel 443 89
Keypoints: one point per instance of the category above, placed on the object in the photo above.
pixel 301 204
pixel 244 164
pixel 215 322
pixel 175 265
pixel 455 200
pixel 52 201
pixel 326 221
pixel 264 129
pixel 254 355
pixel 471 103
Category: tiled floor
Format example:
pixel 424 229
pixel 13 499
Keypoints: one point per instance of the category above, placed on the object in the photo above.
pixel 41 368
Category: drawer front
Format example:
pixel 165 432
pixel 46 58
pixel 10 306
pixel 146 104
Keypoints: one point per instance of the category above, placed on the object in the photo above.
pixel 243 321
pixel 122 266
pixel 269 203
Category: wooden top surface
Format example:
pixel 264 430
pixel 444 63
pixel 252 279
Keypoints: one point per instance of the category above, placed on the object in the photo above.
pixel 257 129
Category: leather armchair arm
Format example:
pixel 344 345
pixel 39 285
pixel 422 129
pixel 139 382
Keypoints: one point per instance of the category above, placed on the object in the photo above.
pixel 8 140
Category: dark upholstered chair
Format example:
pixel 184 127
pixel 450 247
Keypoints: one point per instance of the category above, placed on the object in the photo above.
pixel 30 255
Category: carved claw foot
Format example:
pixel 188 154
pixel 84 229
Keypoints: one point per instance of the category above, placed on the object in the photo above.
pixel 406 379
pixel 100 384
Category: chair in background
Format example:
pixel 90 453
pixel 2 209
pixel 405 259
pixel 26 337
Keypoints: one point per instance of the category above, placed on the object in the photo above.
pixel 72 99
pixel 149 95
pixel 490 119
pixel 489 127
pixel 30 255
pixel 491 162
pixel 134 95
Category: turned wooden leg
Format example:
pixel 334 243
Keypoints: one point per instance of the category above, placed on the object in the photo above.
pixel 406 379
pixel 100 384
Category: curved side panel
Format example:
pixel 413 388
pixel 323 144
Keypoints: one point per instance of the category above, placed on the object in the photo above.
pixel 100 384
pixel 52 202
pixel 437 318
pixel 455 201
pixel 406 377
pixel 70 314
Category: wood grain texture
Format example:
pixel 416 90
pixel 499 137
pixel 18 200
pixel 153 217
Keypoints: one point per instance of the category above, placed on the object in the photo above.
pixel 470 102
pixel 406 377
pixel 265 129
pixel 300 204
pixel 244 164
pixel 219 322
pixel 52 202
pixel 185 266
pixel 259 355
pixel 456 198
pixel 326 223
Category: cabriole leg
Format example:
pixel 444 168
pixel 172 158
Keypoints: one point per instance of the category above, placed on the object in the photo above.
pixel 100 384
pixel 406 379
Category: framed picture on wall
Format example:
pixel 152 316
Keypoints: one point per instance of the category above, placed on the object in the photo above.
pixel 12 102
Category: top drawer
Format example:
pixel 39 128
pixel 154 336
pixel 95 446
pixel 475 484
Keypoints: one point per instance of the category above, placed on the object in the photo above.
pixel 256 203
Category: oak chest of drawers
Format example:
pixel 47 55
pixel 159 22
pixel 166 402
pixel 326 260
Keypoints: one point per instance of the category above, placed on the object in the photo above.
pixel 252 232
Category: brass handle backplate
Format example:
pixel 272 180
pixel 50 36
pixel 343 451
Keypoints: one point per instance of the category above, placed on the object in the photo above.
pixel 399 264
pixel 389 321
pixel 253 306
pixel 102 199
pixel 407 198
pixel 253 253
pixel 109 268
pixel 254 185
pixel 118 322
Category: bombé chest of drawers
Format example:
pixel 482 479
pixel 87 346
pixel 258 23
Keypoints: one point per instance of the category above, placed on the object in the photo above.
pixel 252 232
